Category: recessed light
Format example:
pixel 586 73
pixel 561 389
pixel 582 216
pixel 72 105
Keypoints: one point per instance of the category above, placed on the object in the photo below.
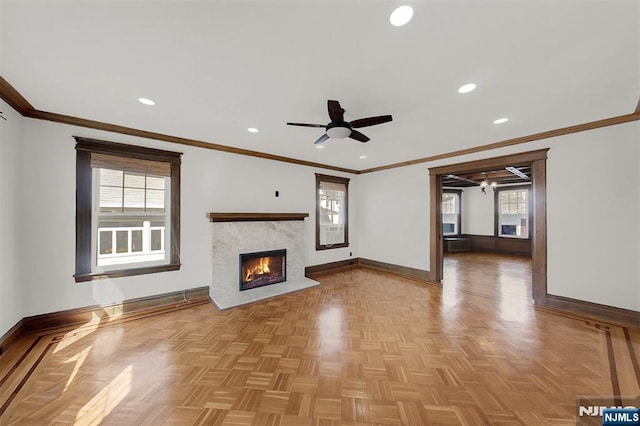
pixel 362 157
pixel 501 120
pixel 401 16
pixel 252 130
pixel 319 146
pixel 146 101
pixel 467 88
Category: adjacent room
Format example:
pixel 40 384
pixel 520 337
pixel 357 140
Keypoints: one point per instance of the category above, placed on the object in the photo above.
pixel 319 213
pixel 486 228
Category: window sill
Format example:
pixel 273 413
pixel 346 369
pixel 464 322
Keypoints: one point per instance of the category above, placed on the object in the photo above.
pixel 125 273
pixel 333 246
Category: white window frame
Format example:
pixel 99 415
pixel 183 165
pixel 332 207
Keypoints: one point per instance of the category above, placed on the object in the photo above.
pixel 455 218
pixel 129 260
pixel 513 219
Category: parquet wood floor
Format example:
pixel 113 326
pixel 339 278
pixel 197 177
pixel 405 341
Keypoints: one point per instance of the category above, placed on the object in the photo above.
pixel 499 276
pixel 362 348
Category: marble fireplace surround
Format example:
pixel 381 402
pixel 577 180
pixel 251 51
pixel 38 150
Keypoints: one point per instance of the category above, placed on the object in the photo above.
pixel 235 233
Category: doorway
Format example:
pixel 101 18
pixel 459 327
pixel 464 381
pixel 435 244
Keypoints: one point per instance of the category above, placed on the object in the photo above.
pixel 536 160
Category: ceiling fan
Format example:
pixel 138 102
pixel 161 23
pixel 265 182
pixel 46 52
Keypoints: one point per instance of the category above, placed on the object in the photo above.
pixel 340 129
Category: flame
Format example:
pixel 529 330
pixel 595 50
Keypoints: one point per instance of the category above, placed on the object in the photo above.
pixel 261 268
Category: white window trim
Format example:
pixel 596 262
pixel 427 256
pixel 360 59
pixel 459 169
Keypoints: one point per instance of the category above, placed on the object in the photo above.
pixel 119 266
pixel 458 215
pixel 526 216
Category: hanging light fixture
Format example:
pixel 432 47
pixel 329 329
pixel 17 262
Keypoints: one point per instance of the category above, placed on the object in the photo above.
pixel 483 186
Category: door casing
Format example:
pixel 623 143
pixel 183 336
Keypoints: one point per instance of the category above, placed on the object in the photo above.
pixel 538 161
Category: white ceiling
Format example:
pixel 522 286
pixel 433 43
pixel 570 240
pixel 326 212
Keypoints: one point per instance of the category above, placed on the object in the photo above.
pixel 216 68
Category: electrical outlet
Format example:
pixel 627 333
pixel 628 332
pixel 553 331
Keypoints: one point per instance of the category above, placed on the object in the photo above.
pixel 350 254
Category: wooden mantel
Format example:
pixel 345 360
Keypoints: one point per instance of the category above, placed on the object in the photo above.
pixel 254 217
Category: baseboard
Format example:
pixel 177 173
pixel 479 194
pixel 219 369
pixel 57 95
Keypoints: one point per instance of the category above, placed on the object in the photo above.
pixel 70 317
pixel 359 262
pixel 403 271
pixel 596 311
pixel 328 268
pixel 11 336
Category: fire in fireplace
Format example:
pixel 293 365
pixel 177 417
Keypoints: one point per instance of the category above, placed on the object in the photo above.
pixel 262 268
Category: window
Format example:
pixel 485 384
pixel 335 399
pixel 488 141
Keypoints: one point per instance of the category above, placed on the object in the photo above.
pixel 332 198
pixel 451 200
pixel 128 210
pixel 132 213
pixel 512 211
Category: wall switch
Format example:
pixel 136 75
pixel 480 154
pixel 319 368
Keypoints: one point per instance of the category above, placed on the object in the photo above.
pixel 277 193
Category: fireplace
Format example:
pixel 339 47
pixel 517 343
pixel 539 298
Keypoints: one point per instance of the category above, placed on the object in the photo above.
pixel 262 268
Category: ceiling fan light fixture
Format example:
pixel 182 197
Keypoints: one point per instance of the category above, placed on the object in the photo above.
pixel 338 132
pixel 146 101
pixel 252 130
pixel 401 16
pixel 501 120
pixel 338 128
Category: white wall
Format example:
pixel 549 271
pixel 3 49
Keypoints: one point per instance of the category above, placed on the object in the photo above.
pixel 589 176
pixel 394 216
pixel 210 181
pixel 11 295
pixel 477 211
pixel 593 206
pixel 389 215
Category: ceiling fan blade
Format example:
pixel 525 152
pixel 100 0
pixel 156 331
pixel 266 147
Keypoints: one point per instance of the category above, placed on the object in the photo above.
pixel 370 121
pixel 358 136
pixel 306 125
pixel 336 113
pixel 321 139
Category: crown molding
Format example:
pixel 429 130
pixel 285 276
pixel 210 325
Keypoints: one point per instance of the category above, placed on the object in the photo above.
pixel 620 119
pixel 10 95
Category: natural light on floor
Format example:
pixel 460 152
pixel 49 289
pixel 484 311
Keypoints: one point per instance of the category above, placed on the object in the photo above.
pixel 79 360
pixel 78 333
pixel 331 329
pixel 107 399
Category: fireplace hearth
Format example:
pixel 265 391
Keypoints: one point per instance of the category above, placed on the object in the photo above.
pixel 263 268
pixel 236 233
